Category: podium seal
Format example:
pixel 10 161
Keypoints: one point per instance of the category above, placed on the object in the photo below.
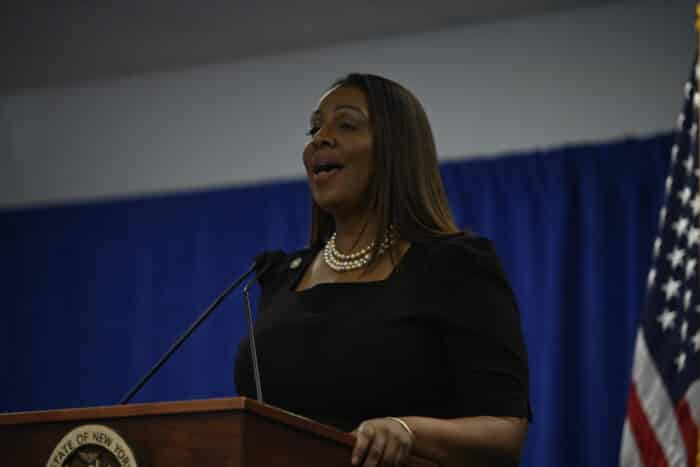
pixel 92 446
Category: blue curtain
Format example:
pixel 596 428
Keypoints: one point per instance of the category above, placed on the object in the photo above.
pixel 94 293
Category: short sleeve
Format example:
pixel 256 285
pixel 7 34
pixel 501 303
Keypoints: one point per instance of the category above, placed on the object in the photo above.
pixel 481 326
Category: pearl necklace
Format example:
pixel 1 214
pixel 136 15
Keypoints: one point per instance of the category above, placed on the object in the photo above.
pixel 340 262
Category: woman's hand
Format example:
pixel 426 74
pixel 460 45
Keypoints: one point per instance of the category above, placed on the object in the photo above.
pixel 382 442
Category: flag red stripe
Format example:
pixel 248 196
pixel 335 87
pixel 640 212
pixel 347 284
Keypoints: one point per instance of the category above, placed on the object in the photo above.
pixel 649 448
pixel 689 431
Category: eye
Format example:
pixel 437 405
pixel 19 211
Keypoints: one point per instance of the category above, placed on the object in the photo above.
pixel 346 126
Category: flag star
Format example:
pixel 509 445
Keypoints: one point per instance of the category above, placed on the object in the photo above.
pixel 689 164
pixel 680 121
pixel 693 236
pixel 696 341
pixel 670 288
pixel 687 89
pixel 676 257
pixel 695 204
pixel 687 297
pixel 680 361
pixel 684 330
pixel 674 153
pixel 651 278
pixel 662 216
pixel 690 267
pixel 657 247
pixel 685 194
pixel 669 184
pixel 680 226
pixel 666 319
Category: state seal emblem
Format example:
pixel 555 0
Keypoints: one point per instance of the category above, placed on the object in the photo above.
pixel 92 446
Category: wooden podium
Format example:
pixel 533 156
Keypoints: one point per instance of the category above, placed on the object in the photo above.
pixel 231 432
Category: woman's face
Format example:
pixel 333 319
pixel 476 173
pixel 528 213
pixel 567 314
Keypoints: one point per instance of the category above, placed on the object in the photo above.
pixel 338 156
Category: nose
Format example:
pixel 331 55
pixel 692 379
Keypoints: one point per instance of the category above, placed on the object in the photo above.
pixel 323 137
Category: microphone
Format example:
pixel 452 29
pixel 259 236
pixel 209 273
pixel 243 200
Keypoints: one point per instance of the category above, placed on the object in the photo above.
pixel 260 266
pixel 272 258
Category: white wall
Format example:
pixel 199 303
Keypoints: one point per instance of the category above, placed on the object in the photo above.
pixel 590 74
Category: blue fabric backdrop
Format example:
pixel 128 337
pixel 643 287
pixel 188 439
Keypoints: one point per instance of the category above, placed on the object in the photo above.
pixel 94 293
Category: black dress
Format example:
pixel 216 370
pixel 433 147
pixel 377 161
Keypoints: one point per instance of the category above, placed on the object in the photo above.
pixel 440 337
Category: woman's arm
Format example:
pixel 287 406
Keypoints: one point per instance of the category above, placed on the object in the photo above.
pixel 473 441
pixel 486 361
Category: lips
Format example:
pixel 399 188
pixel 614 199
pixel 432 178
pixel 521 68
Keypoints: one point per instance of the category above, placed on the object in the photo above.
pixel 325 165
pixel 321 168
pixel 324 176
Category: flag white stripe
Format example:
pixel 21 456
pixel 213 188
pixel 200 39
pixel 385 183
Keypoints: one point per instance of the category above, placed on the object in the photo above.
pixel 657 405
pixel 629 454
pixel 693 398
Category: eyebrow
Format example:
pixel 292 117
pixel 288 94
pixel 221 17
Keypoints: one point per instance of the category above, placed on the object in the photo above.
pixel 317 113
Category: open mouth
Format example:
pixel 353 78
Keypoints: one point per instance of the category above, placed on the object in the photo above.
pixel 326 168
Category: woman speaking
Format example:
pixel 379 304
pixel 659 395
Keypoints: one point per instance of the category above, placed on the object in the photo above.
pixel 393 324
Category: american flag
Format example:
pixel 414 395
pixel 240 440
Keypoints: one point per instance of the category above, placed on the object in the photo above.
pixel 663 407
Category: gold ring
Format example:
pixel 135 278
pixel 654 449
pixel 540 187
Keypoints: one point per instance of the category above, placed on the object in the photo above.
pixel 405 426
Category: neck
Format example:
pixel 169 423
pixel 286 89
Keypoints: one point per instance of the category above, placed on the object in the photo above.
pixel 354 232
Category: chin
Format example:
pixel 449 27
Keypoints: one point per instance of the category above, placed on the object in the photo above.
pixel 335 207
pixel 327 205
pixel 326 199
pixel 336 201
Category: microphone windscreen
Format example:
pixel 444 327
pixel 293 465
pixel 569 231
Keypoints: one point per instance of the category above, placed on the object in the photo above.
pixel 267 260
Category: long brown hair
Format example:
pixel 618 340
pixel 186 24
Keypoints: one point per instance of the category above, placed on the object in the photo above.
pixel 406 189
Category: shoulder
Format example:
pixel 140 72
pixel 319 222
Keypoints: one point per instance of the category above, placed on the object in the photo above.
pixel 463 264
pixel 461 243
pixel 464 276
pixel 460 254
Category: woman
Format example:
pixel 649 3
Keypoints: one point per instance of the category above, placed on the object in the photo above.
pixel 393 324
